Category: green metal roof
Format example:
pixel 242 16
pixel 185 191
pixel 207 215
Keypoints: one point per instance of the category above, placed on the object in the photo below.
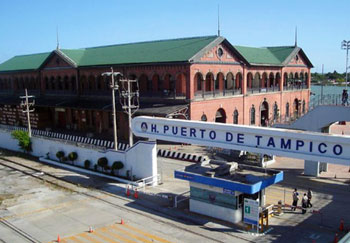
pixel 175 50
pixel 266 55
pixel 26 62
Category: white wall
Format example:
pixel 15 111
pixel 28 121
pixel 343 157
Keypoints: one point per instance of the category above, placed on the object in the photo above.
pixel 141 159
pixel 222 213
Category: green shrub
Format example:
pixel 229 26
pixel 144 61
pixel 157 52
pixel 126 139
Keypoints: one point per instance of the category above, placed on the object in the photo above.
pixel 60 155
pixel 72 156
pixel 23 140
pixel 117 165
pixel 64 159
pixel 87 164
pixel 102 162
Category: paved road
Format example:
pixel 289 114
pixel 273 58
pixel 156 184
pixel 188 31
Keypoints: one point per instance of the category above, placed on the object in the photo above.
pixel 43 211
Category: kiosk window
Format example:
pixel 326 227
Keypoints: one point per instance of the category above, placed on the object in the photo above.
pixel 220 199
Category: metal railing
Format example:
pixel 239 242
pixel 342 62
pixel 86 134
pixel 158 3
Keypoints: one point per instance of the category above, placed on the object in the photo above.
pixel 295 86
pixel 177 200
pixel 217 93
pixel 142 183
pixel 263 90
pixel 329 99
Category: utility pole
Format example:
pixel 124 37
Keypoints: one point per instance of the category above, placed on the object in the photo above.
pixel 114 86
pixel 322 86
pixel 345 45
pixel 26 106
pixel 129 99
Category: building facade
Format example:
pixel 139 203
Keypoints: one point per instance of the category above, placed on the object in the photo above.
pixel 200 78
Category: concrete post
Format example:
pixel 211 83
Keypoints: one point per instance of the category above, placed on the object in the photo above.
pixel 311 168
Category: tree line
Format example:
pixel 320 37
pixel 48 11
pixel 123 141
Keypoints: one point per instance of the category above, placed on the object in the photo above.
pixel 328 78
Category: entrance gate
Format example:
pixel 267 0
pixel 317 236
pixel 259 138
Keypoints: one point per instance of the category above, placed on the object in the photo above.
pixel 272 141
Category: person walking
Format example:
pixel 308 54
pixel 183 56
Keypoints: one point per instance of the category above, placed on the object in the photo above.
pixel 304 204
pixel 295 199
pixel 345 97
pixel 309 197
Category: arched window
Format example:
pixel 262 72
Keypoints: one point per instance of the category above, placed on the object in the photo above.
pixel 238 82
pixel 287 109
pixel 66 82
pixel 209 78
pixel 204 118
pixel 149 85
pixel 252 115
pixel 304 108
pixel 199 81
pixel 285 79
pixel 99 82
pixel 257 81
pixel 73 83
pixel 275 111
pixel 229 82
pixel 59 83
pixel 52 82
pixel 235 117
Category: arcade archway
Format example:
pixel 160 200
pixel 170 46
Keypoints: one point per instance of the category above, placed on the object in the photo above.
pixel 220 116
pixel 264 114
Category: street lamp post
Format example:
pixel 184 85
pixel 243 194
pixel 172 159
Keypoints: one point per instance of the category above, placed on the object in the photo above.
pixel 114 86
pixel 345 45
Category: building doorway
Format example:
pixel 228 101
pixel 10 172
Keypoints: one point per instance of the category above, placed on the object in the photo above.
pixel 264 114
pixel 61 118
pixel 296 108
pixel 220 116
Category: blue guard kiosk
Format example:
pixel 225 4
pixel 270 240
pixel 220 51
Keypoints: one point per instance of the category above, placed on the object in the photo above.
pixel 219 189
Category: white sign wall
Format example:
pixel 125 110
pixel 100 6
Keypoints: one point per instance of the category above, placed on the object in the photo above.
pixel 289 143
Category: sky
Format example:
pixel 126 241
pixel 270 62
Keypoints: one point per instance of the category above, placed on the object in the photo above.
pixel 29 26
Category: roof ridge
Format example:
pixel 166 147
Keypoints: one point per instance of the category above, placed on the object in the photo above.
pixel 279 46
pixel 142 42
pixel 31 54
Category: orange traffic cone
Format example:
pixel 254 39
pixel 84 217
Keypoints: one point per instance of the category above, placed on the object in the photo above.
pixel 335 238
pixel 121 221
pixel 91 230
pixel 136 194
pixel 127 192
pixel 58 238
pixel 341 226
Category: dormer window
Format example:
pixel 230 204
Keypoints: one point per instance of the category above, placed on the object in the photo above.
pixel 296 57
pixel 57 61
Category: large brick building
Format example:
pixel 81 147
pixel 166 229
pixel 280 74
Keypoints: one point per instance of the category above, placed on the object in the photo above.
pixel 200 78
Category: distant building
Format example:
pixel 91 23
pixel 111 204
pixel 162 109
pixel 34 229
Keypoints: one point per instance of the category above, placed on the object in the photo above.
pixel 201 78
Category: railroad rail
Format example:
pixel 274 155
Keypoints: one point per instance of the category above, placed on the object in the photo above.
pixel 59 182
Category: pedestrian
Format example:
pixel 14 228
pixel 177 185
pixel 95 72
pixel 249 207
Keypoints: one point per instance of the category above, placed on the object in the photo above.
pixel 304 204
pixel 295 199
pixel 309 197
pixel 345 97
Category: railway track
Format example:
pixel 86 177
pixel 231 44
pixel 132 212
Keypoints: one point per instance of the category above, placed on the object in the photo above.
pixel 67 185
pixel 18 231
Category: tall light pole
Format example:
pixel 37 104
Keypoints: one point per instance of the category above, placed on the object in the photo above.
pixel 345 45
pixel 114 86
pixel 26 105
